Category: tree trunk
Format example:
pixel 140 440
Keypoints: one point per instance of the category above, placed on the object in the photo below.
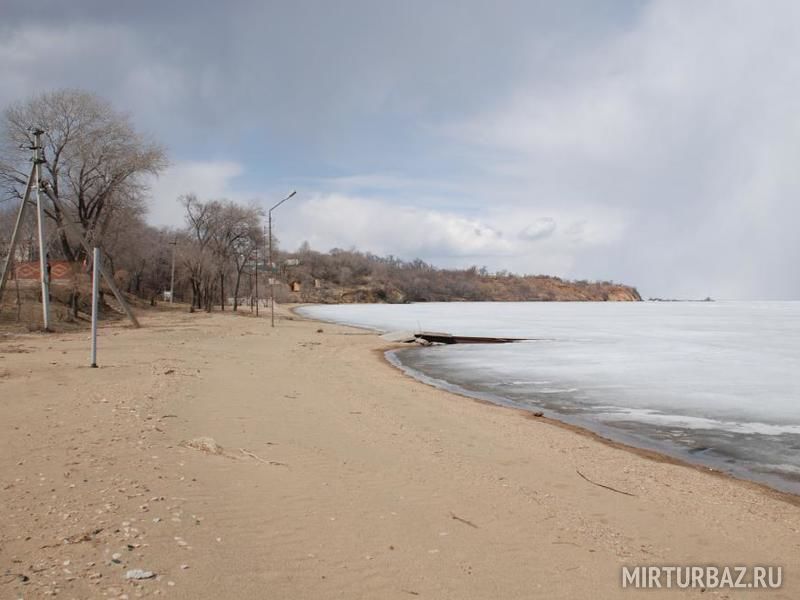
pixel 74 303
pixel 236 291
pixel 222 291
pixel 208 296
pixel 65 247
pixel 195 294
pixel 19 302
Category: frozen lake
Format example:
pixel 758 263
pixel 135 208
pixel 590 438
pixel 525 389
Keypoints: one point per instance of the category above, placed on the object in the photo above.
pixel 716 383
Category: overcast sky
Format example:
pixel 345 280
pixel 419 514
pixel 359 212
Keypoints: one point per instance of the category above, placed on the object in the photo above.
pixel 650 142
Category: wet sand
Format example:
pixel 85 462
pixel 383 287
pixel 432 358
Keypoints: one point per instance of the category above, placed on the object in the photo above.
pixel 235 460
pixel 645 439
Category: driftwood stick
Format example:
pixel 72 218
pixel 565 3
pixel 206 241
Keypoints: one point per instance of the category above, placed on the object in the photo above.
pixel 455 517
pixel 274 463
pixel 608 487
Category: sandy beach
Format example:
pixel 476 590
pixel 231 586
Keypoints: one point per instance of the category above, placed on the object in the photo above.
pixel 233 460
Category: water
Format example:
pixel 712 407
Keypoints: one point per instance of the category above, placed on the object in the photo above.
pixel 715 383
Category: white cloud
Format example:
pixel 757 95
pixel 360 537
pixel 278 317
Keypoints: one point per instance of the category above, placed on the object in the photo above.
pixel 541 228
pixel 686 128
pixel 331 220
pixel 500 239
pixel 207 179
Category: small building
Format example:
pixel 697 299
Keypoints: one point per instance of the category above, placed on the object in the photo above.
pixel 295 285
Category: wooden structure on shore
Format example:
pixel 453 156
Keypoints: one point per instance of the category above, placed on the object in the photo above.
pixel 433 337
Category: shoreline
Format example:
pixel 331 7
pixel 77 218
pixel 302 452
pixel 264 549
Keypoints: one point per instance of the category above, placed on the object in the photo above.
pixel 648 453
pixel 231 459
pixel 390 349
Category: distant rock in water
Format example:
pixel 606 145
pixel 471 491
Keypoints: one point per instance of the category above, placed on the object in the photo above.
pixel 706 299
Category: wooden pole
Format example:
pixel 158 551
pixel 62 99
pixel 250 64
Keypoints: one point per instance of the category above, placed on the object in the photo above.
pixel 109 280
pixel 15 235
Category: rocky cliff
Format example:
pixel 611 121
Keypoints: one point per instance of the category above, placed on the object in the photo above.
pixel 508 289
pixel 353 276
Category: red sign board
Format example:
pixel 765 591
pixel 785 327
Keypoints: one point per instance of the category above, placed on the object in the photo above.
pixel 59 269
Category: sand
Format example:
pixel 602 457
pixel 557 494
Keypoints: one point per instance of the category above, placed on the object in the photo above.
pixel 233 460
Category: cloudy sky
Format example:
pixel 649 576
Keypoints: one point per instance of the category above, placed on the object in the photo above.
pixel 651 142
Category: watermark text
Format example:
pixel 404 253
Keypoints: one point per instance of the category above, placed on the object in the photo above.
pixel 702 577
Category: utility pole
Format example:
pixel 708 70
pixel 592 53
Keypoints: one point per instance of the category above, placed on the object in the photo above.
pixel 271 267
pixel 43 274
pixel 173 243
pixel 35 183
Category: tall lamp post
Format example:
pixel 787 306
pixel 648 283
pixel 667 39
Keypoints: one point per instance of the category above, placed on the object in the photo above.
pixel 271 270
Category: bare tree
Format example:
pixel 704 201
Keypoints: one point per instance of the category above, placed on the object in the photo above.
pixel 140 256
pixel 236 232
pixel 95 161
pixel 245 249
pixel 195 257
pixel 224 236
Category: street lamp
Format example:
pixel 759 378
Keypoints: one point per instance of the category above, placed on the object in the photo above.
pixel 272 279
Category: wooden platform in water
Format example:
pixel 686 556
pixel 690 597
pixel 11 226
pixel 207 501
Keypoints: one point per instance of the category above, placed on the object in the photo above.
pixel 433 337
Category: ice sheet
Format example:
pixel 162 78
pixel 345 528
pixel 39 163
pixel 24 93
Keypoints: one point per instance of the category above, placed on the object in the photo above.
pixel 686 374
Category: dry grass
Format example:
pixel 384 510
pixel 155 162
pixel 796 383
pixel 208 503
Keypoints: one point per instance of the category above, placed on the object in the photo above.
pixel 21 309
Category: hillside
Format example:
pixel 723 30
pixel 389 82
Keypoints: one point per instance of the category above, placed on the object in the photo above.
pixel 351 276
